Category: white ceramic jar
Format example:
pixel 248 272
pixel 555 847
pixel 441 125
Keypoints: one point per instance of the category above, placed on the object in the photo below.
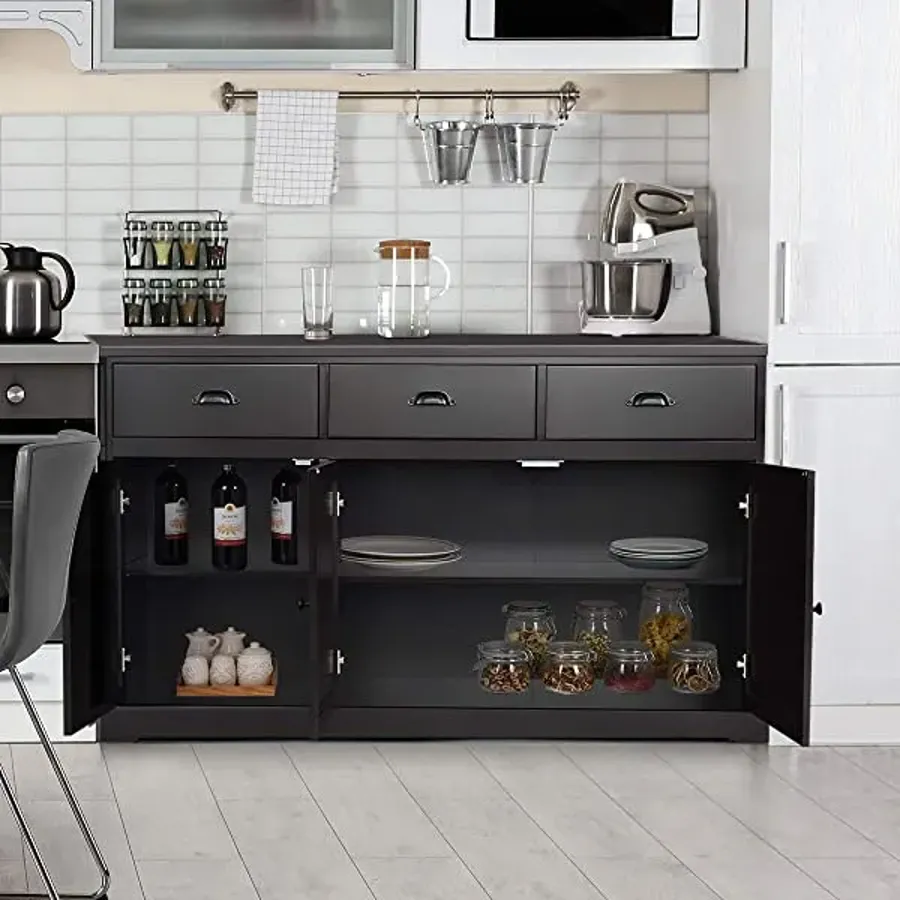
pixel 254 666
pixel 195 671
pixel 222 671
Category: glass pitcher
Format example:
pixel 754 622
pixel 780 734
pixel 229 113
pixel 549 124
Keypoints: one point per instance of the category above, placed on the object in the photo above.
pixel 404 288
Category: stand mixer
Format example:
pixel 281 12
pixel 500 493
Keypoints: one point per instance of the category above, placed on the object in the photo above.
pixel 650 279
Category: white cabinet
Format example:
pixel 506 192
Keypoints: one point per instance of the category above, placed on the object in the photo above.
pixel 844 423
pixel 805 156
pixel 72 20
pixel 314 34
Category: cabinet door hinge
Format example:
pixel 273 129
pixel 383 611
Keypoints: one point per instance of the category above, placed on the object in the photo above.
pixel 337 662
pixel 742 667
pixel 745 506
pixel 303 463
pixel 124 502
pixel 335 503
pixel 126 659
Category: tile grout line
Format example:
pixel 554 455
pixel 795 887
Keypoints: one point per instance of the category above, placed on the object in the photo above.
pixel 415 800
pixel 328 822
pixel 215 800
pixel 23 851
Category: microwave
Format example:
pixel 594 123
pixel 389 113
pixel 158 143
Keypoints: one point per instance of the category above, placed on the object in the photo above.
pixel 611 35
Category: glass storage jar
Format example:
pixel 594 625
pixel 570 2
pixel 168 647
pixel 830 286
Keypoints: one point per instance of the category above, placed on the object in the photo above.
pixel 629 668
pixel 134 297
pixel 161 299
pixel 214 297
pixel 216 244
pixel 665 619
pixel 135 239
pixel 568 668
pixel 503 668
pixel 530 624
pixel 187 299
pixel 598 623
pixel 694 668
pixel 162 239
pixel 189 244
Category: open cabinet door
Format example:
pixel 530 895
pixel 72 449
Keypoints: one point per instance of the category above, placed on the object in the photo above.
pixel 780 598
pixel 325 509
pixel 92 646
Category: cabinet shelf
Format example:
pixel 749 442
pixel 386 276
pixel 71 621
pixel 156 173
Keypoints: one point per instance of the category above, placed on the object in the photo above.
pixel 144 569
pixel 586 562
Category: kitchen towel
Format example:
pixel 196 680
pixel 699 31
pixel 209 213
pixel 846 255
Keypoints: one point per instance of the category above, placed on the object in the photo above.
pixel 296 157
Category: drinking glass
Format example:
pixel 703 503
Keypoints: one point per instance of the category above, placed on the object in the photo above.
pixel 317 283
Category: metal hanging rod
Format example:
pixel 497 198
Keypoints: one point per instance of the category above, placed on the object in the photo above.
pixel 568 95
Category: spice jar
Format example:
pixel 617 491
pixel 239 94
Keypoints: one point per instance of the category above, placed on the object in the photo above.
pixel 189 244
pixel 133 299
pixel 629 668
pixel 162 238
pixel 568 668
pixel 214 302
pixel 665 619
pixel 216 244
pixel 135 240
pixel 187 300
pixel 598 623
pixel 694 668
pixel 161 297
pixel 503 668
pixel 530 624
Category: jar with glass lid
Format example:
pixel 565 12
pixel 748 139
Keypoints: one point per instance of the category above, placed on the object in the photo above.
pixel 161 298
pixel 568 668
pixel 162 239
pixel 134 298
pixel 530 624
pixel 216 241
pixel 629 668
pixel 503 668
pixel 214 297
pixel 189 239
pixel 135 239
pixel 187 299
pixel 665 619
pixel 694 668
pixel 598 623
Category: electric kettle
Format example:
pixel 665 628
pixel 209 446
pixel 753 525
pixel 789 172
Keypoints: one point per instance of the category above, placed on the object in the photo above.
pixel 31 297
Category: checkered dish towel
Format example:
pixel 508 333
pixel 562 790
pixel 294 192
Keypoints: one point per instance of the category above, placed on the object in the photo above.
pixel 296 158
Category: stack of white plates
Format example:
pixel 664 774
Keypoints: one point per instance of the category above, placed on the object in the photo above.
pixel 658 553
pixel 395 551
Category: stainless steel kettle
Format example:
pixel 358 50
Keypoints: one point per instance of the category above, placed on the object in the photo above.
pixel 636 212
pixel 31 297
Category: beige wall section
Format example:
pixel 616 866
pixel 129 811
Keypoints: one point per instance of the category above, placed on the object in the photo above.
pixel 36 76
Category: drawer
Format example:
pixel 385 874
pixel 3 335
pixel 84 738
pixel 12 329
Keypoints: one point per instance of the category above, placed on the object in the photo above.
pixel 408 400
pixel 49 391
pixel 215 401
pixel 651 403
pixel 42 673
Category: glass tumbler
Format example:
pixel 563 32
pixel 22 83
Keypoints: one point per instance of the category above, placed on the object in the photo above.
pixel 317 283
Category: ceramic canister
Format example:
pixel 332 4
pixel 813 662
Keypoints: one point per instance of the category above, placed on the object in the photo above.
pixel 254 666
pixel 222 671
pixel 195 671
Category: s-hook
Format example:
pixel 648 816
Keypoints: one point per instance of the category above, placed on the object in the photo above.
pixel 489 106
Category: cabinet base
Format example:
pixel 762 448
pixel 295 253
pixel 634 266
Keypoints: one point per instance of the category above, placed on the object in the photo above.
pixel 202 723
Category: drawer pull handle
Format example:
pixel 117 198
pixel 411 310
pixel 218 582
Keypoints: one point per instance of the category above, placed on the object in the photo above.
pixel 216 398
pixel 432 398
pixel 644 399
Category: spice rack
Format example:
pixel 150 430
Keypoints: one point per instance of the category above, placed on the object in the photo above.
pixel 174 277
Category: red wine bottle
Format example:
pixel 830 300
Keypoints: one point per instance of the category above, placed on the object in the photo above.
pixel 229 503
pixel 284 517
pixel 170 544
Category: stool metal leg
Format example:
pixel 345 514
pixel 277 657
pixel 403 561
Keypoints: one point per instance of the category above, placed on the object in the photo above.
pixel 83 825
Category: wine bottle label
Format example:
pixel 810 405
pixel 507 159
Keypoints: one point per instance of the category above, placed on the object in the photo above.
pixel 176 519
pixel 230 525
pixel 282 519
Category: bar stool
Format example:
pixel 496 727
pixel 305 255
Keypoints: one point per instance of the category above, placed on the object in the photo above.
pixel 50 485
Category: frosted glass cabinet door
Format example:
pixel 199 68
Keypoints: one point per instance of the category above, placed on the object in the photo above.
pixel 316 34
pixel 844 423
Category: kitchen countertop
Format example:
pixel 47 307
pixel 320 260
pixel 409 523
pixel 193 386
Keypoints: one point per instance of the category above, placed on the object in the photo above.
pixel 436 346
pixel 72 350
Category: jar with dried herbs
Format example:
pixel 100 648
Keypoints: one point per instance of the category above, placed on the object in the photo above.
pixel 568 668
pixel 530 624
pixel 694 668
pixel 598 623
pixel 503 668
pixel 665 619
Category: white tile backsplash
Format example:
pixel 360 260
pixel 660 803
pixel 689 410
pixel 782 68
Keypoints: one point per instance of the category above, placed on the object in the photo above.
pixel 66 181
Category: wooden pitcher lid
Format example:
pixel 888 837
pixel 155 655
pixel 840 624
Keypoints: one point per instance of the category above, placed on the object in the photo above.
pixel 402 248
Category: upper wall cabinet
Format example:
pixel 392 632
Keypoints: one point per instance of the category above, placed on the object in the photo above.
pixel 233 34
pixel 72 20
pixel 611 35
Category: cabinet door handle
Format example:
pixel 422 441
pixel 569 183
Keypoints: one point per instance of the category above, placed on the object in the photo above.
pixel 432 398
pixel 784 277
pixel 650 398
pixel 215 398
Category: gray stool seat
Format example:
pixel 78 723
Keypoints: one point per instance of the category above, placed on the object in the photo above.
pixel 51 481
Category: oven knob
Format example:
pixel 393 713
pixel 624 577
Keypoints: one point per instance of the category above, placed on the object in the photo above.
pixel 15 394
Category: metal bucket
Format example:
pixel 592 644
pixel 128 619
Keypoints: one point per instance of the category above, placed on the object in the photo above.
pixel 524 152
pixel 450 149
pixel 626 288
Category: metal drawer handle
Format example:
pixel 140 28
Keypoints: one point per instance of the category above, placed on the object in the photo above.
pixel 650 398
pixel 215 398
pixel 432 398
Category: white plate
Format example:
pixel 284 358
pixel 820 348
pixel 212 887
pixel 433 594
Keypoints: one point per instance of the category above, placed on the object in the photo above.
pixel 658 555
pixel 656 547
pixel 399 546
pixel 404 565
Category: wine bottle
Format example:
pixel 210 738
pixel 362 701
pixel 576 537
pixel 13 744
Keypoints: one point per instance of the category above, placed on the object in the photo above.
pixel 229 503
pixel 284 517
pixel 171 517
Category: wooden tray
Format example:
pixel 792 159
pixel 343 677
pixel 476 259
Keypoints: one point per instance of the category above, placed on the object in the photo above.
pixel 222 691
